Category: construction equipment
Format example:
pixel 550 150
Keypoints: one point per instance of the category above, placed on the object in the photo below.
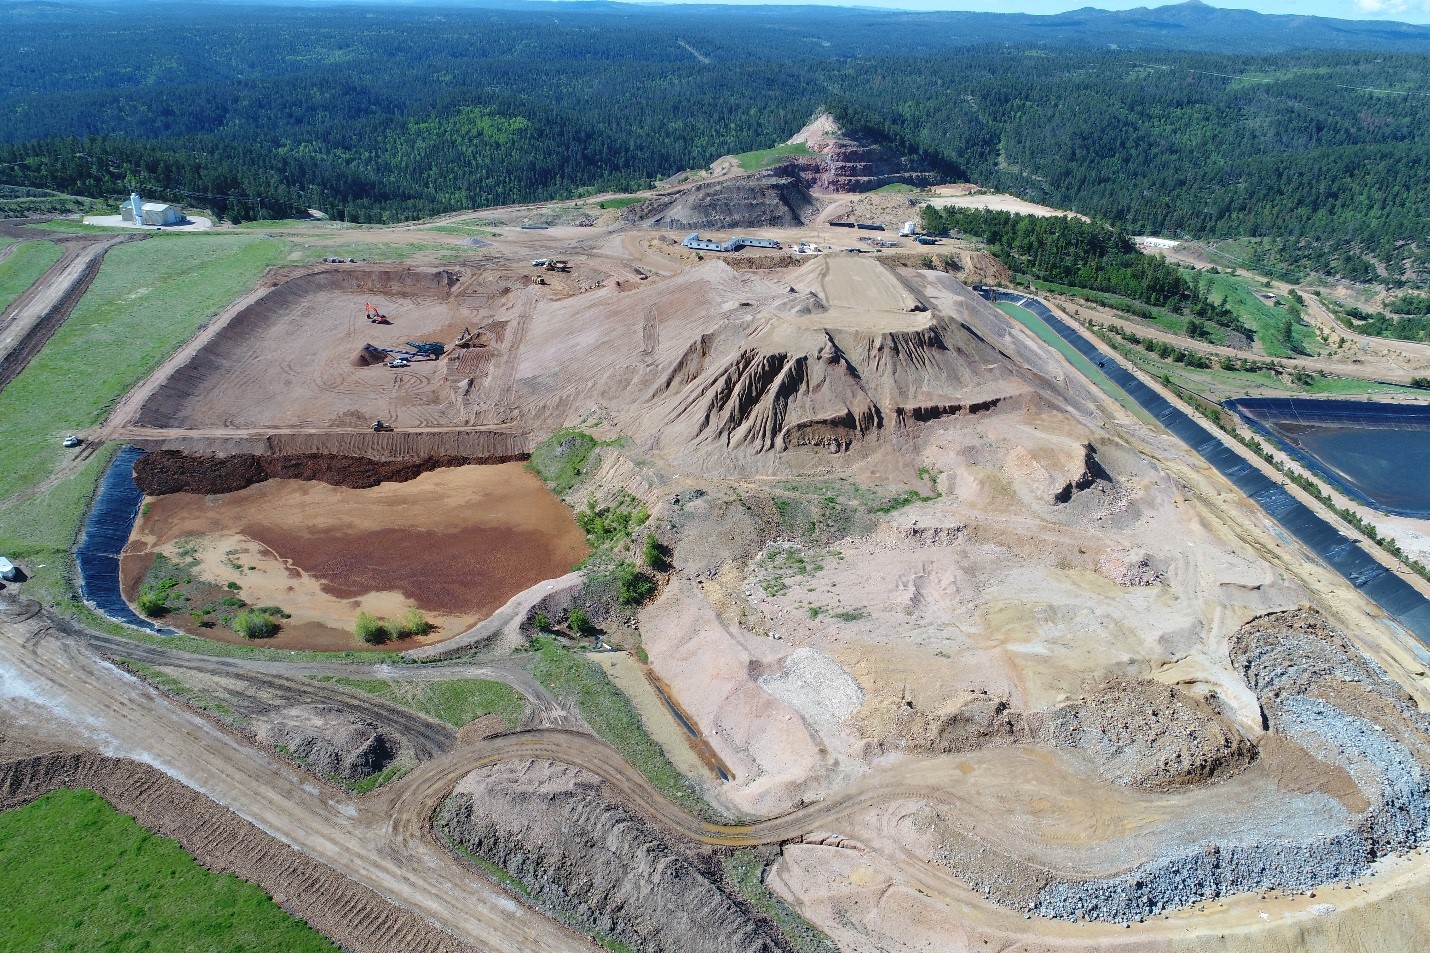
pixel 379 427
pixel 551 264
pixel 423 355
pixel 374 315
pixel 431 348
pixel 925 240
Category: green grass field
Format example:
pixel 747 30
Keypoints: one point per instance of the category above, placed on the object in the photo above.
pixel 1267 319
pixel 79 876
pixel 148 298
pixel 27 262
pixel 623 201
pixel 458 702
pixel 1040 327
pixel 764 158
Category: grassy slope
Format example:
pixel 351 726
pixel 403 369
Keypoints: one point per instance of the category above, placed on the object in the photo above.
pixel 24 267
pixel 763 158
pixel 148 298
pixel 457 702
pixel 611 715
pixel 1237 295
pixel 79 876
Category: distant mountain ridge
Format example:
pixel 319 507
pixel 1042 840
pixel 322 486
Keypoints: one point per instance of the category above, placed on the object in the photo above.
pixel 829 32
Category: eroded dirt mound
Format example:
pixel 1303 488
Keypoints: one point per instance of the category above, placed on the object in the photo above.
pixel 330 740
pixel 593 864
pixel 161 472
pixel 765 200
pixel 1145 734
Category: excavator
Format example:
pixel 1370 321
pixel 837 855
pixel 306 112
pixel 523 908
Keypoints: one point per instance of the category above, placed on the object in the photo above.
pixel 374 315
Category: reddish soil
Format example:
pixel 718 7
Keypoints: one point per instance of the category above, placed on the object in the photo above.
pixel 456 543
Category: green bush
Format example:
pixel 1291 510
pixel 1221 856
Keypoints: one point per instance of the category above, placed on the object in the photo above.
pixel 255 624
pixel 152 602
pixel 564 459
pixel 370 629
pixel 578 621
pixel 656 556
pixel 413 622
pixel 633 586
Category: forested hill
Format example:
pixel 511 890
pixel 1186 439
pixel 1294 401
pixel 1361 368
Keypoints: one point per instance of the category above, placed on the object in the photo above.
pixel 382 113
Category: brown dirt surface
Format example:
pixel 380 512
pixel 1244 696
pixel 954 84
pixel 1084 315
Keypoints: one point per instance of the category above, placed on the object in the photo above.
pixel 161 472
pixel 456 543
pixel 286 359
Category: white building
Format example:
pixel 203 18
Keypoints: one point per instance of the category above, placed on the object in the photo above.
pixel 136 211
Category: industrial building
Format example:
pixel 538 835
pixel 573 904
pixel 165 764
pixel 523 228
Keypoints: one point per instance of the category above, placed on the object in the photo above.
pixel 693 240
pixel 136 211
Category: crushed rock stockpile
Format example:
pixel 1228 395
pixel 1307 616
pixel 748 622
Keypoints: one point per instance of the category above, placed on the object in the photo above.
pixel 1322 699
pixel 351 915
pixel 758 201
pixel 162 472
pixel 592 864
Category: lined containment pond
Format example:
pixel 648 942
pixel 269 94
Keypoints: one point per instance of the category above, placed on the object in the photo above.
pixel 1376 453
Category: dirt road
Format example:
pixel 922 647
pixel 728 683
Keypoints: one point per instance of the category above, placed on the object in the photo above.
pixel 54 688
pixel 37 314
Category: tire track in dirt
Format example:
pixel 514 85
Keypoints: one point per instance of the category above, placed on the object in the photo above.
pixel 38 313
pixel 349 914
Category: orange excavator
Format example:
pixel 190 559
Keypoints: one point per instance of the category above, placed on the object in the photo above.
pixel 374 315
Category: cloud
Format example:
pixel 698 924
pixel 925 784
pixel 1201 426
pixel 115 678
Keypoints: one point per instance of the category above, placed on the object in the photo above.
pixel 1392 7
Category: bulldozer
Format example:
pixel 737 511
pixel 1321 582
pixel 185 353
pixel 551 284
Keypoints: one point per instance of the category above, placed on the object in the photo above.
pixel 374 315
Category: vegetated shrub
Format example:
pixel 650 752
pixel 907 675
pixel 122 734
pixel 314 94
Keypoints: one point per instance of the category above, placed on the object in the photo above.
pixel 413 622
pixel 370 629
pixel 542 622
pixel 1422 383
pixel 655 554
pixel 152 602
pixel 564 458
pixel 578 621
pixel 255 624
pixel 608 525
pixel 633 587
pixel 233 586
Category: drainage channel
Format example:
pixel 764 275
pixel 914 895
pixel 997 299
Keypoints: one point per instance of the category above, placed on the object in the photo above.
pixel 106 531
pixel 1400 600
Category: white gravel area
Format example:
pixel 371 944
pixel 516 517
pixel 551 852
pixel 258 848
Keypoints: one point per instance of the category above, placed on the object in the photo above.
pixel 814 685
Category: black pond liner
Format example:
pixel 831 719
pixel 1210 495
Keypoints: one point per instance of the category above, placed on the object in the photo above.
pixel 1262 414
pixel 106 530
pixel 1400 600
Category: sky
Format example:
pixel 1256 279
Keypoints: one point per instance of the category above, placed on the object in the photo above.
pixel 1406 11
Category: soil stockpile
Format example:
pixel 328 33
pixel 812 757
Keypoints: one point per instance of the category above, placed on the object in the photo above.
pixel 757 201
pixel 332 742
pixel 353 916
pixel 593 864
pixel 161 472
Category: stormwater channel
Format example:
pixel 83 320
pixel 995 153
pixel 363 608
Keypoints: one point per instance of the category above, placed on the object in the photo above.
pixel 1400 600
pixel 106 531
pixel 1377 454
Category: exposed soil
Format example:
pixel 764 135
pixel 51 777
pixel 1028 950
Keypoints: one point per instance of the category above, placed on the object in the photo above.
pixel 161 472
pixel 456 543
pixel 766 200
pixel 590 862
pixel 332 742
pixel 844 164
